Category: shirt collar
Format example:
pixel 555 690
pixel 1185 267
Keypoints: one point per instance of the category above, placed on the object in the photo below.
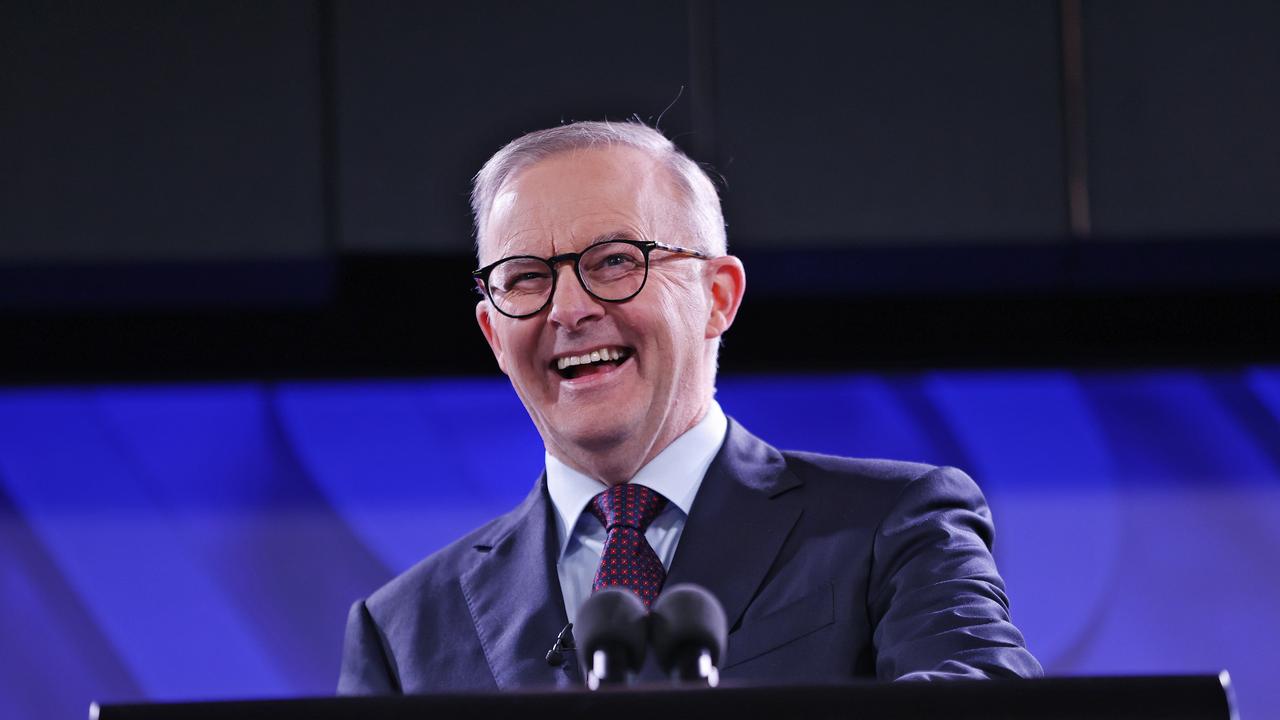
pixel 676 473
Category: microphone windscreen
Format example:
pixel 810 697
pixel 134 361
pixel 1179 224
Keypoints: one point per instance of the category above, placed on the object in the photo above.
pixel 612 619
pixel 688 617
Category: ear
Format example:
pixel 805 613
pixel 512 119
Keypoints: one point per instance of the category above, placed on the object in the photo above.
pixel 728 282
pixel 485 315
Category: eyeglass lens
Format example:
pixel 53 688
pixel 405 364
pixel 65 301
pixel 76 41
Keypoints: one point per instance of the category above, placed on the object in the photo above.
pixel 609 270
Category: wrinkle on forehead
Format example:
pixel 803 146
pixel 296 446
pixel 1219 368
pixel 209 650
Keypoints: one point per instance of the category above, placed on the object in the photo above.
pixel 568 201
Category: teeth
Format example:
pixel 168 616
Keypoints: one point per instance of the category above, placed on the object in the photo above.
pixel 593 356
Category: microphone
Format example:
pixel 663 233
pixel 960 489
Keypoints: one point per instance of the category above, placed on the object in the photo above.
pixel 690 633
pixel 563 644
pixel 611 631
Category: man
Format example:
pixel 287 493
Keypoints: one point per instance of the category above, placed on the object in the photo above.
pixel 607 289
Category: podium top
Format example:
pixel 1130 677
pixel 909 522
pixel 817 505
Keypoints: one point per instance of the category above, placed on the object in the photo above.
pixel 1193 697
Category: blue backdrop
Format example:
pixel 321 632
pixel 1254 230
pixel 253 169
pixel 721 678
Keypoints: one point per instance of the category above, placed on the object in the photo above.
pixel 204 541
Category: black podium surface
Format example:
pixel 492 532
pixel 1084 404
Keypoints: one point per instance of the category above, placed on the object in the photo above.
pixel 1191 697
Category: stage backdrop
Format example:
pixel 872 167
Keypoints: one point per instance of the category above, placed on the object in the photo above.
pixel 204 541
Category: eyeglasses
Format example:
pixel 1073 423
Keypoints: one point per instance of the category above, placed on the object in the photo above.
pixel 612 271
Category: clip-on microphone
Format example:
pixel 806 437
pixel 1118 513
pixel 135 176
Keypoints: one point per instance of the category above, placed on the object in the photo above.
pixel 563 644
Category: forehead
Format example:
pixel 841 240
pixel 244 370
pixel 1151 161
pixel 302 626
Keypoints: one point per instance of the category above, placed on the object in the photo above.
pixel 571 199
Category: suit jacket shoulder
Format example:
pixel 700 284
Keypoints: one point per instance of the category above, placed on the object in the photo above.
pixel 880 486
pixel 862 480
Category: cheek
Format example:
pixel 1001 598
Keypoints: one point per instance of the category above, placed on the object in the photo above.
pixel 682 315
pixel 519 351
pixel 689 306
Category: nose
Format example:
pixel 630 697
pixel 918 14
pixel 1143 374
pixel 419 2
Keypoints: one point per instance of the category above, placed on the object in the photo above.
pixel 571 305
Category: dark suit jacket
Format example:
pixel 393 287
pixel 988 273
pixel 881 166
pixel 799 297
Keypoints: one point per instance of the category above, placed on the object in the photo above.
pixel 828 568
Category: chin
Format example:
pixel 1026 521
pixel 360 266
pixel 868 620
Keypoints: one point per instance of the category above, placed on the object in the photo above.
pixel 596 431
pixel 602 437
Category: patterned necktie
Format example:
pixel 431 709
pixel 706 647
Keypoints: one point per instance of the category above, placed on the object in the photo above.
pixel 628 561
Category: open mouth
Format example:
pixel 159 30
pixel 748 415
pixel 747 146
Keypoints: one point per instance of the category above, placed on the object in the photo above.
pixel 596 361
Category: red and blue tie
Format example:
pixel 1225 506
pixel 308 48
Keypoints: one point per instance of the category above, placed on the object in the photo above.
pixel 628 561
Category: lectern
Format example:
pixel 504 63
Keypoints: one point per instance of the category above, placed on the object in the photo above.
pixel 1196 697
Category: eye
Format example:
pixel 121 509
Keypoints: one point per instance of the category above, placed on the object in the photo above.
pixel 529 280
pixel 613 257
pixel 618 260
pixel 520 275
pixel 613 266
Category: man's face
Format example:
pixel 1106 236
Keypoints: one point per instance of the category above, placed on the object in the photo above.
pixel 660 386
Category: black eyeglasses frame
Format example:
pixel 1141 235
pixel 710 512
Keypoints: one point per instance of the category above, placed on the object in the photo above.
pixel 644 246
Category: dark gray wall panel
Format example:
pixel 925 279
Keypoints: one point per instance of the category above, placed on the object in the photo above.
pixel 870 121
pixel 159 131
pixel 428 91
pixel 1184 112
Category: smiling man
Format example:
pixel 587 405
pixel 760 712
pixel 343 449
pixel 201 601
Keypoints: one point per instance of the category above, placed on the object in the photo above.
pixel 606 289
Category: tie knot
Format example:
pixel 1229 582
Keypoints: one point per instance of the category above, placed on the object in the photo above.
pixel 628 505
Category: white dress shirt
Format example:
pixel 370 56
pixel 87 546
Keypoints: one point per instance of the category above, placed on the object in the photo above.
pixel 676 473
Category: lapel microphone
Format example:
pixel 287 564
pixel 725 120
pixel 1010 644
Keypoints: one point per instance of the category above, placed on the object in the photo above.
pixel 563 644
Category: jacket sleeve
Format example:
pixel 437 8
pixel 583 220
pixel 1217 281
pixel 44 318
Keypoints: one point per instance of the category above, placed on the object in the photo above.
pixel 937 603
pixel 367 667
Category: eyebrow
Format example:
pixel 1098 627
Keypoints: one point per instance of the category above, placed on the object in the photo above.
pixel 602 237
pixel 614 235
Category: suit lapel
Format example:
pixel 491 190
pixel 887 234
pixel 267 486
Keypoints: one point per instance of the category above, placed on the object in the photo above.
pixel 514 597
pixel 741 517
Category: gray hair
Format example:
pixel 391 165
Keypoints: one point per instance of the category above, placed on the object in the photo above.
pixel 694 186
